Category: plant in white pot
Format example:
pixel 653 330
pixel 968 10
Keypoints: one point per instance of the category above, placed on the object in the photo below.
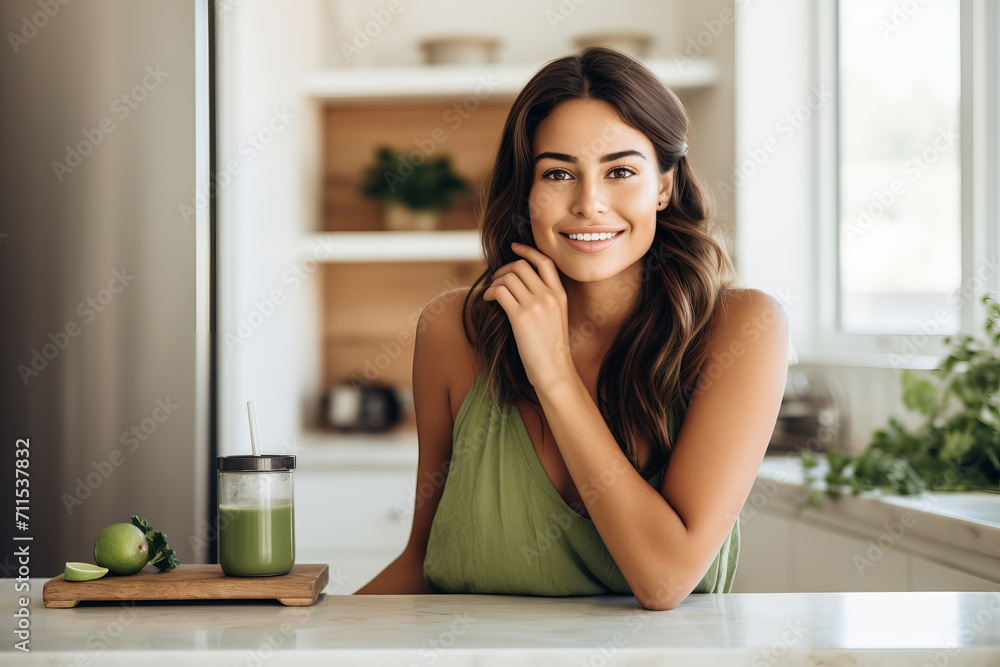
pixel 411 194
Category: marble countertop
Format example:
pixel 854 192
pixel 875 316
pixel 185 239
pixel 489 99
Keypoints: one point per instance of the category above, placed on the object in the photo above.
pixel 886 629
pixel 966 521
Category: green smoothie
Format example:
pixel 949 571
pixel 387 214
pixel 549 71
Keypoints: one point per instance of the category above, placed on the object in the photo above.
pixel 256 542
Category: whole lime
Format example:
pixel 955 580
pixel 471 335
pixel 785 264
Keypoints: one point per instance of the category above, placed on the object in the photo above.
pixel 122 548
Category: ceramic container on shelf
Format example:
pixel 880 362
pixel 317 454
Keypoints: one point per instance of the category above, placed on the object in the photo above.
pixel 397 217
pixel 635 44
pixel 459 50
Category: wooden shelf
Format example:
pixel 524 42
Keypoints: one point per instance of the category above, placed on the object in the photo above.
pixel 423 246
pixel 366 84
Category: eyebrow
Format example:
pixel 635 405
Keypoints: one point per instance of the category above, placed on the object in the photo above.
pixel 565 157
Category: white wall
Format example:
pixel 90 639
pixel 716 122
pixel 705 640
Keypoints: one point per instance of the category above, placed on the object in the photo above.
pixel 529 31
pixel 265 48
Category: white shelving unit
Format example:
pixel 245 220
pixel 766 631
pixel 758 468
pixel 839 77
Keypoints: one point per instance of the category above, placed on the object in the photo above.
pixel 395 84
pixel 451 81
pixel 388 246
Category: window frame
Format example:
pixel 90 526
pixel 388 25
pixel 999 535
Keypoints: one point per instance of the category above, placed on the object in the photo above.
pixel 980 28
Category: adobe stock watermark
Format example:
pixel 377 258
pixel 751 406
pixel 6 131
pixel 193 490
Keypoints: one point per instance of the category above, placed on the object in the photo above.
pixel 248 149
pixel 932 326
pixel 915 167
pixel 31 25
pixel 605 652
pixel 430 651
pixel 267 307
pixel 131 440
pixel 751 332
pixel 121 107
pixel 101 640
pixel 898 16
pixel 272 640
pixel 764 490
pixel 559 522
pixel 562 12
pixel 453 117
pixel 365 34
pixel 778 649
pixel 884 543
pixel 968 628
pixel 695 46
pixel 372 368
pixel 786 127
pixel 434 480
pixel 88 310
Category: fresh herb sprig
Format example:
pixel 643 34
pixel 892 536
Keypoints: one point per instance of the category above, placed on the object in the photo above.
pixel 160 553
pixel 957 448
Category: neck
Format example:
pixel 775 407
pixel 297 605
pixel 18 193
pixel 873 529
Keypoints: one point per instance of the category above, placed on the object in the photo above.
pixel 597 311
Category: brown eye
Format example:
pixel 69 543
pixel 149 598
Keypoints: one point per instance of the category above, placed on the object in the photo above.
pixel 564 175
pixel 628 172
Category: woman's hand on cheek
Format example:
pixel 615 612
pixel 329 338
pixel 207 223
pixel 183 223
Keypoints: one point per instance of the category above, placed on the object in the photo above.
pixel 530 292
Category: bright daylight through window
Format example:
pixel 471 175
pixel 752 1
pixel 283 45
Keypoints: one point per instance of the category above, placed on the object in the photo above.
pixel 900 250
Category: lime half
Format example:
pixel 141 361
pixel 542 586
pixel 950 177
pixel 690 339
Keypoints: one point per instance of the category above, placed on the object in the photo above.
pixel 83 572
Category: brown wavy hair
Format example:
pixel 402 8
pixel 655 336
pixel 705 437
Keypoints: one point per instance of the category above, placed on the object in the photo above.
pixel 641 384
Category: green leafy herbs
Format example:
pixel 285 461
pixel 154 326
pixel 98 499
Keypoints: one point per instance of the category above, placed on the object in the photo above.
pixel 956 448
pixel 160 553
pixel 423 186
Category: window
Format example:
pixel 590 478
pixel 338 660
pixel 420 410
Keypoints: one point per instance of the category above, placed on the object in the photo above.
pixel 899 171
pixel 879 216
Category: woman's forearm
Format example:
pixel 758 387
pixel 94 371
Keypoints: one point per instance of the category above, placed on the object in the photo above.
pixel 403 576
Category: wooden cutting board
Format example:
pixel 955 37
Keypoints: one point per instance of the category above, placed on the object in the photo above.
pixel 300 587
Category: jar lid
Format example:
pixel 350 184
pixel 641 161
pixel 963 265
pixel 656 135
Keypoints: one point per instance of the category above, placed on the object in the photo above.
pixel 262 463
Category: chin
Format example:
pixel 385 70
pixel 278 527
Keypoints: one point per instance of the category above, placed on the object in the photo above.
pixel 588 269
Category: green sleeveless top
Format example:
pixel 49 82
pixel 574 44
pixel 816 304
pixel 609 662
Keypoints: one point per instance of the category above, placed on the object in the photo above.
pixel 501 527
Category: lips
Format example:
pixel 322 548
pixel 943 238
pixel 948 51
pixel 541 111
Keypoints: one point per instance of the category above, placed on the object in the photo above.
pixel 591 246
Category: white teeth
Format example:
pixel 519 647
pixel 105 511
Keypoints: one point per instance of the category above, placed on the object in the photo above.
pixel 592 237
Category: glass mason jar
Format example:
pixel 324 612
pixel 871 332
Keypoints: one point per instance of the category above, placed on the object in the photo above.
pixel 256 515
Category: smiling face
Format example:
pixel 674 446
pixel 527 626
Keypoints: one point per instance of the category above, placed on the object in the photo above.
pixel 594 173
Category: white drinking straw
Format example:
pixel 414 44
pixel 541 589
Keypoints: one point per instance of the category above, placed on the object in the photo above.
pixel 252 412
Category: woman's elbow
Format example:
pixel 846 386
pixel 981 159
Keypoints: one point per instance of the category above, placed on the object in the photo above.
pixel 663 595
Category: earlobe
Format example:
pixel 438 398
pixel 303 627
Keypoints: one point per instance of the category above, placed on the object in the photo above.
pixel 666 188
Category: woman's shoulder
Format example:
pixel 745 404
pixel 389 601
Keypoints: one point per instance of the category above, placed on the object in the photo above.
pixel 446 320
pixel 739 306
pixel 744 316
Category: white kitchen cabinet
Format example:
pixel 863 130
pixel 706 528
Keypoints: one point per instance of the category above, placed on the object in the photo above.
pixel 765 552
pixel 927 575
pixel 354 511
pixel 355 521
pixel 781 553
pixel 824 560
pixel 349 571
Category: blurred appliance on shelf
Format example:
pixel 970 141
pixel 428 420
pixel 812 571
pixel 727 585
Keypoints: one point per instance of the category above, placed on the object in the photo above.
pixel 813 413
pixel 373 408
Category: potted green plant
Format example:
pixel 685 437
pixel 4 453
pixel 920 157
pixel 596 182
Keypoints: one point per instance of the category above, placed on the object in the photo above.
pixel 411 193
pixel 956 448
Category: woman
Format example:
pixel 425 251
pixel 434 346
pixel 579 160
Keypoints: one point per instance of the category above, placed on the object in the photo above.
pixel 619 354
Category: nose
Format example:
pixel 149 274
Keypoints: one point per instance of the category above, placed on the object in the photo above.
pixel 588 199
